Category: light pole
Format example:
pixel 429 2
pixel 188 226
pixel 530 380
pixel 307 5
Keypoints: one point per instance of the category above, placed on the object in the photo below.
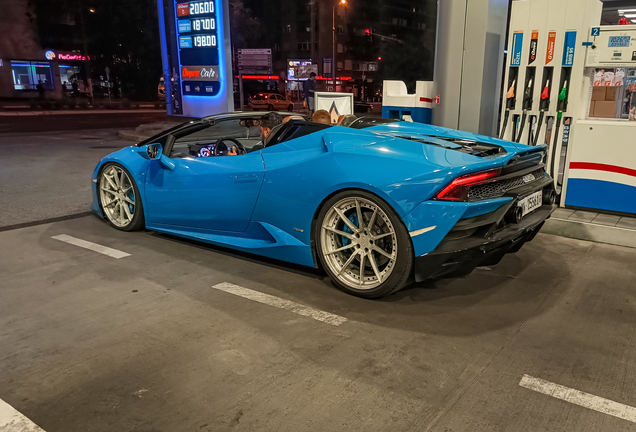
pixel 334 64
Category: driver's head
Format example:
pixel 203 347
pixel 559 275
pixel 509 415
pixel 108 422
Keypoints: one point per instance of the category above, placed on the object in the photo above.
pixel 268 121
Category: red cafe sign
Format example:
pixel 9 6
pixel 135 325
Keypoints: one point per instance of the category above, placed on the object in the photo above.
pixel 200 73
pixel 72 56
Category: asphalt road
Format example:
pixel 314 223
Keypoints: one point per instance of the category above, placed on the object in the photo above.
pixel 146 343
pixel 77 122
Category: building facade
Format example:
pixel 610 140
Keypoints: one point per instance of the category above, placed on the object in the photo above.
pixel 365 32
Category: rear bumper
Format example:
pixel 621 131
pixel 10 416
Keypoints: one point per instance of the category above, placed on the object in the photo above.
pixel 460 256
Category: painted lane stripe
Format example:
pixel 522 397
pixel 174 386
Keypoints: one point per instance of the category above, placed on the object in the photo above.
pixel 580 398
pixel 12 421
pixel 114 253
pixel 267 299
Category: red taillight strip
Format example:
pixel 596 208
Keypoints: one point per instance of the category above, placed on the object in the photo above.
pixel 467 180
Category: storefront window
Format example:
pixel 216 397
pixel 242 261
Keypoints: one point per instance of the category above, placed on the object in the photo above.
pixel 27 75
pixel 68 75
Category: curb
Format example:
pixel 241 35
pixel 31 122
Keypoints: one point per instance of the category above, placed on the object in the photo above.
pixel 77 112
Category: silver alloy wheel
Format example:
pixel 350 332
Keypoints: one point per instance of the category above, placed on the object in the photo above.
pixel 117 196
pixel 358 243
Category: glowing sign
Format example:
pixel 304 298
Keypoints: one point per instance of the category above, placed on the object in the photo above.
pixel 50 55
pixel 198 48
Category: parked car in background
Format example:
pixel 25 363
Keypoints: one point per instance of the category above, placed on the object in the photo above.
pixel 271 102
pixel 362 107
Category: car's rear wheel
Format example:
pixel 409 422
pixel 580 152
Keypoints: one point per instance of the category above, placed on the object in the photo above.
pixel 363 245
pixel 119 197
pixel 270 107
pixel 290 108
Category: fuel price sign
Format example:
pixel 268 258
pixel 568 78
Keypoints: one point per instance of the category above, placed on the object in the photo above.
pixel 198 47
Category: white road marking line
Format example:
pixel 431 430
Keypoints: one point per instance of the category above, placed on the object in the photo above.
pixel 576 397
pixel 12 421
pixel 91 246
pixel 267 299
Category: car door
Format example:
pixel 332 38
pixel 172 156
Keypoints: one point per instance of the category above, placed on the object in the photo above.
pixel 280 102
pixel 216 192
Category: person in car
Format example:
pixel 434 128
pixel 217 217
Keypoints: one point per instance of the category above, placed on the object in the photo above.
pixel 322 116
pixel 268 122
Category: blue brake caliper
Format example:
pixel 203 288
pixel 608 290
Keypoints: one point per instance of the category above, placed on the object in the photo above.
pixel 353 218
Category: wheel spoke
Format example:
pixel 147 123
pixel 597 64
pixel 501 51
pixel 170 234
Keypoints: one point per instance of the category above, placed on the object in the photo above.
pixel 349 246
pixel 346 264
pixel 108 191
pixel 128 200
pixel 362 256
pixel 115 201
pixel 359 211
pixel 372 220
pixel 378 237
pixel 346 220
pixel 342 233
pixel 110 181
pixel 375 267
pixel 121 213
pixel 127 211
pixel 382 252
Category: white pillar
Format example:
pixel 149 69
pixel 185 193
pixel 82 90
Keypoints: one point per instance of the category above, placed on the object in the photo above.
pixel 469 64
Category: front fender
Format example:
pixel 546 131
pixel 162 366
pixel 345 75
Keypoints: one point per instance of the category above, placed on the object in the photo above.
pixel 134 163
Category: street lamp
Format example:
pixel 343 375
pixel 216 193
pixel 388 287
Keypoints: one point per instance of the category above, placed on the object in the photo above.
pixel 334 65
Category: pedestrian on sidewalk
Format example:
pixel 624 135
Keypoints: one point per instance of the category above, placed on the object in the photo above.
pixel 310 90
pixel 40 89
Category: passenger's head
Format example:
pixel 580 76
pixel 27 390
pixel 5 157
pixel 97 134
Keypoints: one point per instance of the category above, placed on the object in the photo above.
pixel 312 76
pixel 294 117
pixel 340 119
pixel 268 121
pixel 322 116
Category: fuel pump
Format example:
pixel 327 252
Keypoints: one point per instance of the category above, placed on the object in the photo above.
pixel 510 104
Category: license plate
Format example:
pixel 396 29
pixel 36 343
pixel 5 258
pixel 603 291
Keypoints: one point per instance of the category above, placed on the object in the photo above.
pixel 531 203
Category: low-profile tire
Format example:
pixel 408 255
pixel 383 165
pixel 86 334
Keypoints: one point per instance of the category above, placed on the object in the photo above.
pixel 270 108
pixel 290 108
pixel 370 260
pixel 119 198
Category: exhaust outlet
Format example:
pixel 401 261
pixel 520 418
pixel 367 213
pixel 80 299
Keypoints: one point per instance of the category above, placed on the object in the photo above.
pixel 514 215
pixel 549 197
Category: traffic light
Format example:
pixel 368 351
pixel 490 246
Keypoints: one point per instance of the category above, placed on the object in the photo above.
pixel 368 32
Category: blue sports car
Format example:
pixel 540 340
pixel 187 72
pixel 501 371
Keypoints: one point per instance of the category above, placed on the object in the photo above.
pixel 377 204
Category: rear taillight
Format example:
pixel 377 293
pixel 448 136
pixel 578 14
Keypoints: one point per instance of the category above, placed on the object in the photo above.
pixel 456 190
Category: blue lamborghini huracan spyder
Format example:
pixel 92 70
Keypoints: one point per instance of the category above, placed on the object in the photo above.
pixel 377 204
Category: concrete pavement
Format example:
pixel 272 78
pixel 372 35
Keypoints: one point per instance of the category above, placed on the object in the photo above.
pixel 142 341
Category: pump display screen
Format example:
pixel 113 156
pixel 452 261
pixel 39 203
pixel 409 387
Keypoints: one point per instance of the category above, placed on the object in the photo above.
pixel 196 25
pixel 619 41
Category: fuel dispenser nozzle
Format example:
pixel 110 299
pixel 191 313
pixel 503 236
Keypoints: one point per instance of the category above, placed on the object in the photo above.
pixel 527 105
pixel 544 105
pixel 561 106
pixel 510 99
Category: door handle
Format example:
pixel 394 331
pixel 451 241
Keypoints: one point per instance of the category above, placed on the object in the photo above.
pixel 245 178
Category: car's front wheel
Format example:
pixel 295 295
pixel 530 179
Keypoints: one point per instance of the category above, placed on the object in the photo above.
pixel 363 245
pixel 119 197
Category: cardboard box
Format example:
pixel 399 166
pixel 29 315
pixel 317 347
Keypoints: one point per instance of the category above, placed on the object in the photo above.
pixel 599 93
pixel 592 108
pixel 610 93
pixel 604 109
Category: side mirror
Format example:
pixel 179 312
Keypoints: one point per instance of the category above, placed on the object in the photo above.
pixel 155 152
pixel 151 151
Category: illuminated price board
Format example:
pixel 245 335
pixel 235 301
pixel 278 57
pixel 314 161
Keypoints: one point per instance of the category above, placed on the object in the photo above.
pixel 198 47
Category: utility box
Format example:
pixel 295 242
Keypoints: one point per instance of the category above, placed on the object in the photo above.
pixel 398 104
